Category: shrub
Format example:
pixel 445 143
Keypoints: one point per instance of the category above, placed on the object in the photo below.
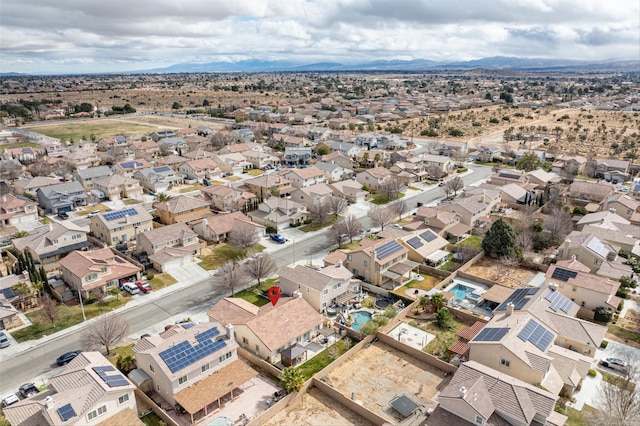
pixel 369 328
pixel 494 120
pixel 603 344
pixel 620 305
pixel 150 276
pixel 271 229
pixel 444 318
pixel 390 312
pixel 580 210
pixel 592 373
pixel 381 320
pixel 602 315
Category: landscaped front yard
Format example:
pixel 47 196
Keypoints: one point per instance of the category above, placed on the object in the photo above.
pixel 252 297
pixel 222 253
pixel 162 280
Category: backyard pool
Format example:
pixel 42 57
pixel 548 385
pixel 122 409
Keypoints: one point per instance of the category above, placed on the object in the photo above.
pixel 359 318
pixel 461 291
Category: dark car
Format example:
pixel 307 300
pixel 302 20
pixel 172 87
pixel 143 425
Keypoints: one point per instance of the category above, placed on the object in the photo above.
pixel 278 238
pixel 63 215
pixel 67 357
pixel 27 390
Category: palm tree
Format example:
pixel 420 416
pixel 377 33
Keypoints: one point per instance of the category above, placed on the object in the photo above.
pixel 23 289
pixel 162 197
pixel 438 301
pixel 422 302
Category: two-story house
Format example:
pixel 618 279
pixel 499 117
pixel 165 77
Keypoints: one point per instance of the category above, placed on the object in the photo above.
pixel 95 273
pixel 574 281
pixel 507 177
pixel 182 208
pixel 61 198
pixel 301 178
pixel 582 193
pixel 320 287
pixel 425 247
pixel 108 142
pixel 145 149
pixel 374 178
pixel 347 149
pixel 267 185
pixel 259 159
pixel 89 391
pixel 116 187
pixel 51 242
pixel 432 218
pixel 205 168
pixel 350 189
pixel 16 209
pixel 234 163
pixel 568 165
pixel 158 179
pixel 333 172
pixel 447 165
pixel 227 198
pixel 473 207
pixel 128 168
pixel 601 257
pixel 612 170
pixel 310 195
pixel 121 226
pixel 169 247
pixel 279 213
pixel 88 176
pixel 27 154
pixel 173 145
pixel 217 228
pixel 625 206
pixel 30 185
pixel 295 156
pixel 339 159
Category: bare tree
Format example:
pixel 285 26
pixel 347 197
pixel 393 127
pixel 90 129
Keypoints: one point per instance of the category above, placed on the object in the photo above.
pixel 352 227
pixel 558 222
pixel 230 275
pixel 63 167
pixel 40 168
pixel 381 216
pixel 618 398
pixel 391 188
pixel 455 185
pixel 335 205
pixel 319 213
pixel 465 253
pixel 117 153
pixel 220 140
pixel 432 147
pixel 525 237
pixel 9 170
pixel 336 234
pixel 590 167
pixel 259 266
pixel 400 207
pixel 243 235
pixel 435 171
pixel 108 330
pixel 49 311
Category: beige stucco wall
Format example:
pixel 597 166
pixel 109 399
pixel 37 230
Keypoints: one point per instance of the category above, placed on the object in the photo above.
pixel 491 354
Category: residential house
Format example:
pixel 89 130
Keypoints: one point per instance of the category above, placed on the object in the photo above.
pixel 505 177
pixel 372 158
pixel 232 163
pixel 259 159
pixel 9 314
pixel 243 135
pixel 128 168
pixel 368 140
pixel 612 170
pixel 295 156
pixel 158 179
pixel 116 187
pixel 267 185
pixel 16 209
pixel 432 218
pixel 479 395
pixel 30 185
pixel 333 172
pixel 514 195
pixel 446 164
pixel 349 189
pixel 625 206
pixel 160 134
pixel 409 171
pixel 374 178
pixel 568 165
pixel 173 161
pixel 599 256
pixel 235 148
pixel 193 365
pixel 425 247
pixel 583 193
pixel 88 176
pixel 121 226
pixel 89 391
pixel 182 208
pixel 574 280
pixel 217 228
pixel 279 213
pixel 338 159
pixel 146 149
pixel 542 179
pixel 63 197
pixel 310 195
pixel 320 287
pixel 83 159
pixel 97 272
pixel 270 329
pixel 452 149
pixel 109 142
pixel 471 208
pixel 535 337
pixel 346 149
pixel 169 247
pixel 487 154
pixel 22 155
pixel 227 198
pixel 205 168
pixel 301 178
pixel 173 145
pixel 49 243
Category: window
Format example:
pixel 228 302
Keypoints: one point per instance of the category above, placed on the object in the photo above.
pixel 158 388
pixel 245 340
pixel 97 412
pixel 124 398
pixel 182 380
pixel 365 263
pixel 479 420
pixel 228 355
pixel 205 367
pixel 151 368
pixel 325 291
pixel 505 362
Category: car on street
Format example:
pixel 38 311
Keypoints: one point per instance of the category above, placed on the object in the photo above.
pixel 143 286
pixel 10 399
pixel 4 340
pixel 615 364
pixel 27 390
pixel 278 238
pixel 67 357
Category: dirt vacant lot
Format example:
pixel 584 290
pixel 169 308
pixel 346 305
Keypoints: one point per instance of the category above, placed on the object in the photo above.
pixel 506 275
pixel 379 373
pixel 317 409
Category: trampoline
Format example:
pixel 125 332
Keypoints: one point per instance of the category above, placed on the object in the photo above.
pixel 383 302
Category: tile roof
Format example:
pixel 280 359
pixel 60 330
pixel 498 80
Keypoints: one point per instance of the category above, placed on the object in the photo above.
pixel 225 222
pixel 141 216
pixel 42 239
pixel 81 263
pixel 182 203
pixel 314 278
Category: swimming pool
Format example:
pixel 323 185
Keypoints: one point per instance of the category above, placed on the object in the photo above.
pixel 461 291
pixel 359 319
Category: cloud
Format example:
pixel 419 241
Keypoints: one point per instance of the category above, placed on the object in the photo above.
pixel 114 35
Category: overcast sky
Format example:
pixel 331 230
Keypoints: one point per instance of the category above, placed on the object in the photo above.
pixel 76 36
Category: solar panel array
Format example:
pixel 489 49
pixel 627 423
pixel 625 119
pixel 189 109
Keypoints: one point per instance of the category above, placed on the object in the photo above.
pixel 536 334
pixel 131 164
pixel 558 301
pixel 519 298
pixel 66 412
pixel 415 242
pixel 388 249
pixel 491 334
pixel 112 380
pixel 596 246
pixel 162 169
pixel 428 236
pixel 119 214
pixel 184 354
pixel 188 325
pixel 509 176
pixel 563 274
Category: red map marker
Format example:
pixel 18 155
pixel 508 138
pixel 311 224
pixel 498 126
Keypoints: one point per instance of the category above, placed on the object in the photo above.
pixel 274 294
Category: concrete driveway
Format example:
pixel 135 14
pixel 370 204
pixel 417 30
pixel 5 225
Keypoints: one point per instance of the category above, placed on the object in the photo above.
pixel 189 274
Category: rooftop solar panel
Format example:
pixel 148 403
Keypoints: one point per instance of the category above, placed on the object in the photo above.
pixel 428 236
pixel 563 274
pixel 188 325
pixel 558 301
pixel 184 354
pixel 519 298
pixel 415 242
pixel 491 334
pixel 112 380
pixel 66 412
pixel 119 214
pixel 535 333
pixel 162 169
pixel 388 249
pixel 509 176
pixel 131 164
pixel 596 246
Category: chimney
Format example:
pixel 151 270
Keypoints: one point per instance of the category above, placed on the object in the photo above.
pixel 339 265
pixel 612 210
pixel 230 332
pixel 510 307
pixel 553 286
pixel 49 401
pixel 463 391
pixel 4 198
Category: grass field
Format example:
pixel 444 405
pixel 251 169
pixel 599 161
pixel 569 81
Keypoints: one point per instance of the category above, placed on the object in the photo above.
pixel 323 359
pixel 161 280
pixel 252 297
pixel 94 129
pixel 19 145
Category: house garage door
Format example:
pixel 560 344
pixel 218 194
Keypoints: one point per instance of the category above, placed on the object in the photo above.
pixel 173 263
pixel 64 209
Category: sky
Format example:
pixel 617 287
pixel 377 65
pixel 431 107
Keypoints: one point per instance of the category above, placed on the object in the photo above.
pixel 89 36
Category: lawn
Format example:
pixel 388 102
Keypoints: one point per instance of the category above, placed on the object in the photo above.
pixel 190 188
pixel 450 265
pixel 315 226
pixel 380 199
pixel 91 209
pixel 623 333
pixel 96 128
pixel 474 241
pixel 616 380
pixel 222 254
pixel 254 172
pixel 252 297
pixel 130 201
pixel 125 351
pixel 444 338
pixel 321 360
pixel 46 220
pixel 19 145
pixel 233 178
pixel 267 284
pixel 152 419
pixel 426 284
pixel 579 418
pixel 68 316
pixel 162 280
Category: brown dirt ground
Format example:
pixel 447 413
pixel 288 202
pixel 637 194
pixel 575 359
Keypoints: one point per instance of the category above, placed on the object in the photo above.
pixel 507 276
pixel 315 408
pixel 379 373
pixel 172 122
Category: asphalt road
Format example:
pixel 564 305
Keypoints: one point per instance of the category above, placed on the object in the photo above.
pixel 39 362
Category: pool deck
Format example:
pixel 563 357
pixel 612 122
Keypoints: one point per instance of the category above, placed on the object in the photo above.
pixel 411 336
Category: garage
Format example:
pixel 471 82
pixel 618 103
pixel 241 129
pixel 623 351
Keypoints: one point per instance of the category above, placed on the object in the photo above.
pixel 65 209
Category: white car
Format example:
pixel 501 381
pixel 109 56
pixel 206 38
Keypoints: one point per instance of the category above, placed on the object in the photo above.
pixel 10 399
pixel 131 288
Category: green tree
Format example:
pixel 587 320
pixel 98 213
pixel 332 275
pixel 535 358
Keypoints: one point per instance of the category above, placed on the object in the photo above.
pixel 323 149
pixel 176 105
pixel 291 379
pixel 529 162
pixel 500 240
pixel 438 301
pixel 369 328
pixel 444 318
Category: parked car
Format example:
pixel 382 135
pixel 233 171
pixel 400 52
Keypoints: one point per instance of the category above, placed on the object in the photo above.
pixel 131 288
pixel 278 238
pixel 615 364
pixel 10 399
pixel 63 215
pixel 27 390
pixel 92 214
pixel 67 357
pixel 4 340
pixel 143 286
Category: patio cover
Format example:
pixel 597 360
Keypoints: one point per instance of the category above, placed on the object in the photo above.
pixel 391 275
pixel 345 297
pixel 208 390
pixel 437 256
pixel 497 293
pixel 460 347
pixel 403 405
pixel 404 267
pixel 458 230
pixel 293 351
